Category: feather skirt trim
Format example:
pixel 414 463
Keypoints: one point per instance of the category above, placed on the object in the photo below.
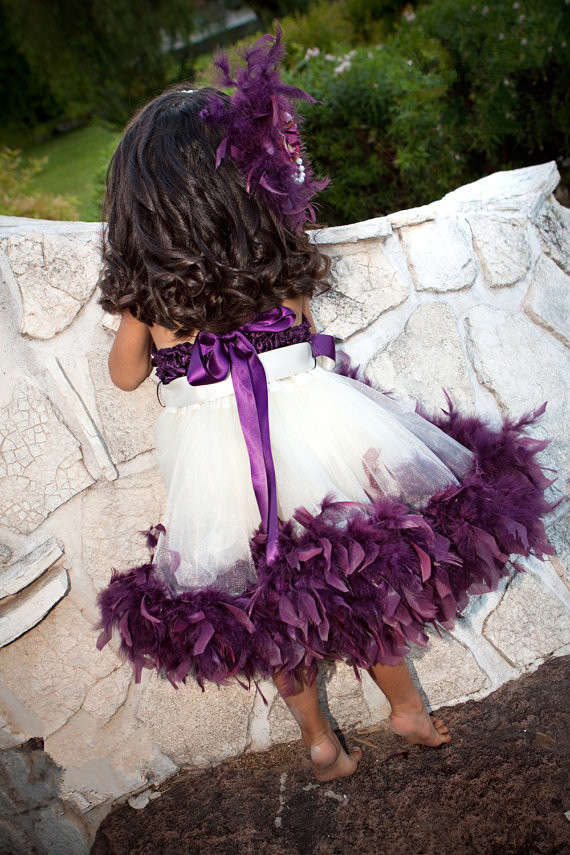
pixel 356 582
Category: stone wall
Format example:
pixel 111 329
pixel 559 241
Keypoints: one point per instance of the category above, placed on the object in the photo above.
pixel 468 293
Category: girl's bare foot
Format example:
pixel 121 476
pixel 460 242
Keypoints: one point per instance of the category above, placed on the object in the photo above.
pixel 330 760
pixel 418 727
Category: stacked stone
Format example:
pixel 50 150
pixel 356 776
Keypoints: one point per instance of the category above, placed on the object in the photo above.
pixel 469 294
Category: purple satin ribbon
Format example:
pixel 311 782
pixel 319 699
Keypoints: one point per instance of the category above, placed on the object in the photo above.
pixel 213 357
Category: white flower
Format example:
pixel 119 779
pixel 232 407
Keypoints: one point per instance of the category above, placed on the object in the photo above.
pixel 524 41
pixel 516 5
pixel 313 51
pixel 410 61
pixel 501 37
pixel 485 10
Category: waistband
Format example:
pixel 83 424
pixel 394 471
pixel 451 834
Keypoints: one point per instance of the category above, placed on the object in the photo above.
pixel 278 364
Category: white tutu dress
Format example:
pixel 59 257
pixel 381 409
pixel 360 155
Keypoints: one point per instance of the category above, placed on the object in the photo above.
pixel 380 521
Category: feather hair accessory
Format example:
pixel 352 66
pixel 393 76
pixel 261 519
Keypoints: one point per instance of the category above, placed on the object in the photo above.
pixel 262 133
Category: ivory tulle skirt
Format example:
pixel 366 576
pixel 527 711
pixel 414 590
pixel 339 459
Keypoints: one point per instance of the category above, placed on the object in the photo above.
pixel 387 522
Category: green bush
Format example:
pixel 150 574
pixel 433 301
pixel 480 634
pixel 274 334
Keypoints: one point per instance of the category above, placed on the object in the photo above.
pixel 16 198
pixel 457 89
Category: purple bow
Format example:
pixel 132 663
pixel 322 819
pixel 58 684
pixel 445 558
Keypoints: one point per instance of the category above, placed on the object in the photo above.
pixel 214 356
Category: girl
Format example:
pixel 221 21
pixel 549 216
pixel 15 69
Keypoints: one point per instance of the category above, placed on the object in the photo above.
pixel 308 516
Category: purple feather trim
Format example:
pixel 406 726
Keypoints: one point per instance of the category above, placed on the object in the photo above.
pixel 261 131
pixel 357 583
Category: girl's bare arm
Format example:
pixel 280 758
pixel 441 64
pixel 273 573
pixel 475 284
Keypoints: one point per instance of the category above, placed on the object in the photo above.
pixel 129 359
pixel 307 313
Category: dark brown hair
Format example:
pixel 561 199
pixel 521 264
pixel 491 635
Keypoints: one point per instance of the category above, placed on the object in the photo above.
pixel 187 247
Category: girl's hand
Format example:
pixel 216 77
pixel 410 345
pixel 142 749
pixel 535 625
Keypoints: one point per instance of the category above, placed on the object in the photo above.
pixel 129 359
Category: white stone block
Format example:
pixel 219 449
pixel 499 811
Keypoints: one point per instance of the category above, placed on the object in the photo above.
pixel 522 366
pixel 29 567
pixel 377 228
pixel 114 516
pixel 197 728
pixel 529 623
pixel 127 417
pixel 425 359
pixel 517 190
pixel 548 300
pixel 502 246
pixel 41 465
pixel 553 225
pixel 345 699
pixel 446 671
pixel 51 669
pixel 366 283
pixel 441 254
pixel 56 274
pixel 20 614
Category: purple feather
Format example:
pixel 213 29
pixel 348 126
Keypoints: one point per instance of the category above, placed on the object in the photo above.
pixel 262 130
pixel 355 582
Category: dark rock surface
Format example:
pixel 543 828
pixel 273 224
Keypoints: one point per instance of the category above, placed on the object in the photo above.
pixel 498 787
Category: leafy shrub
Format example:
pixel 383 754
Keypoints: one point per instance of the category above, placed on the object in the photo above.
pixel 17 200
pixel 457 90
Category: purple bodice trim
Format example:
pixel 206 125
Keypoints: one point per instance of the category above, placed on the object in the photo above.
pixel 173 362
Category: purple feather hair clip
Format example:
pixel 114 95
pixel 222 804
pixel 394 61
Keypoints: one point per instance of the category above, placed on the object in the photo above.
pixel 262 133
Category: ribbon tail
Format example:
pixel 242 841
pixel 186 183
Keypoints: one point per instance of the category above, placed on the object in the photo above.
pixel 250 385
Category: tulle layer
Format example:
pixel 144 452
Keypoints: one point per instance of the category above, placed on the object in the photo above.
pixel 354 581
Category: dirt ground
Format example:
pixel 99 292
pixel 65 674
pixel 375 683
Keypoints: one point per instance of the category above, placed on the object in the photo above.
pixel 499 787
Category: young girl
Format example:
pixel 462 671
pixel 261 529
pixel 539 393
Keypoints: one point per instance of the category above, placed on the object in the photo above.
pixel 308 516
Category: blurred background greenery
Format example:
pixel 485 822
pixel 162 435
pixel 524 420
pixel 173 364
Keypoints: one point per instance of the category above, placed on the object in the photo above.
pixel 416 98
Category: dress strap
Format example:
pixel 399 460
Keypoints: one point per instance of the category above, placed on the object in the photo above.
pixel 214 356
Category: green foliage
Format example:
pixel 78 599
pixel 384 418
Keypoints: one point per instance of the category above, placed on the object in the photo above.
pixel 16 197
pixel 96 57
pixel 456 90
pixel 76 165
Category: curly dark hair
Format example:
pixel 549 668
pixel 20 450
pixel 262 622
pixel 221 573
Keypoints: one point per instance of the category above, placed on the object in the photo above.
pixel 187 247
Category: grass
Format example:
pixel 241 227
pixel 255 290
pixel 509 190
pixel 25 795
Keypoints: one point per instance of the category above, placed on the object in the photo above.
pixel 76 162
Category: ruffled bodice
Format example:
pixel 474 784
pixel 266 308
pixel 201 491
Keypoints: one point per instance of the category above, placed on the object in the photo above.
pixel 173 362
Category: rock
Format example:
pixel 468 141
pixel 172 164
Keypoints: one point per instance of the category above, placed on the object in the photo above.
pixel 195 727
pixel 281 722
pixel 379 227
pixel 114 517
pixel 20 614
pixel 51 670
pixel 105 696
pixel 441 254
pixel 502 246
pixel 559 536
pixel 529 623
pixel 522 366
pixel 5 554
pixel 56 274
pixel 446 670
pixel 548 300
pixel 40 461
pixel 518 190
pixel 60 831
pixel 344 698
pixel 74 405
pixel 29 567
pixel 553 225
pixel 127 418
pixel 424 359
pixel 366 282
